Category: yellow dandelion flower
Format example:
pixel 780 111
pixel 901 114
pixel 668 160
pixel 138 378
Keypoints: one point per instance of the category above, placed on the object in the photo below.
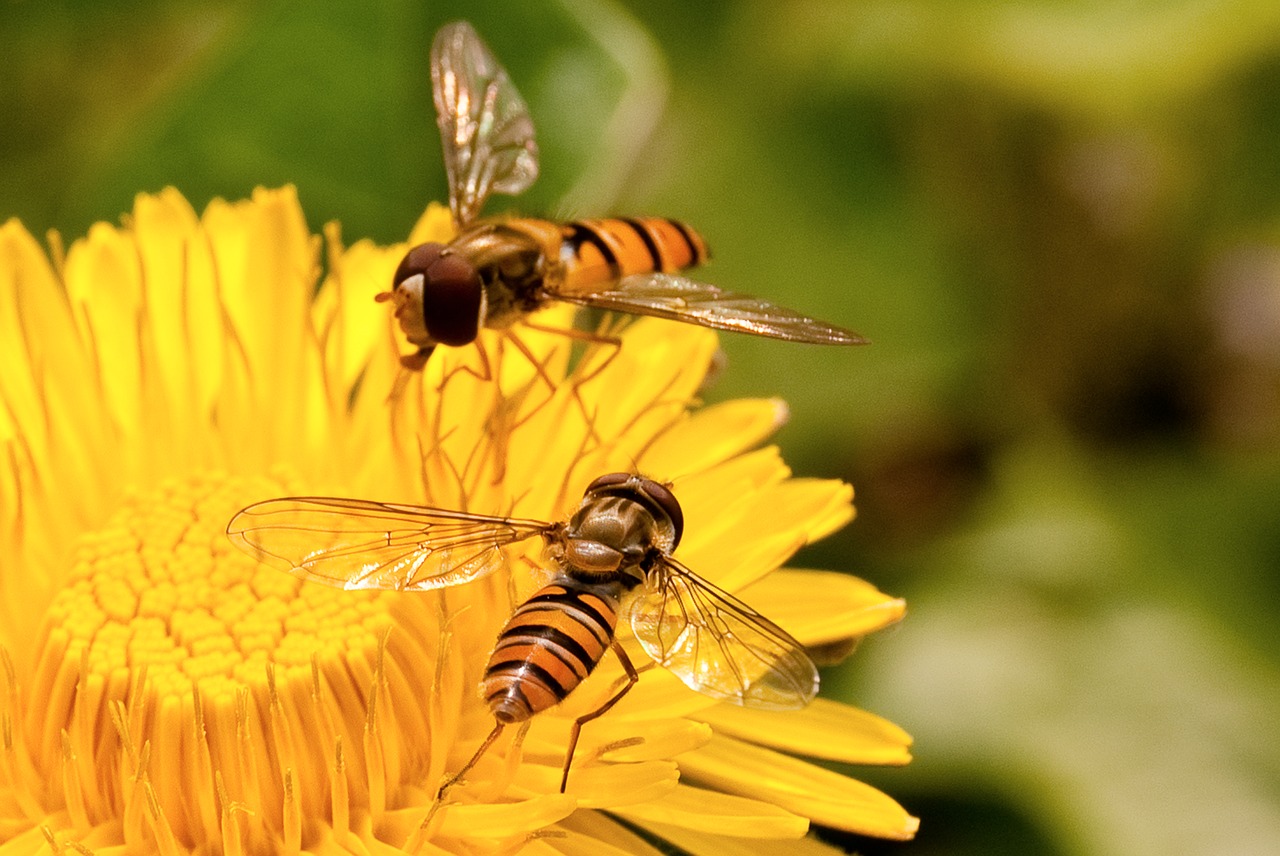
pixel 165 693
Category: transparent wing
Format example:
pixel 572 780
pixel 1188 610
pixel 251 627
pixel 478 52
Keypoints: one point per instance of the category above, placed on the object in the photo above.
pixel 718 645
pixel 681 299
pixel 359 544
pixel 484 123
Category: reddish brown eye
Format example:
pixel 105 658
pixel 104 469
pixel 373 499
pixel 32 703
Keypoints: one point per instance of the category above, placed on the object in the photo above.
pixel 452 300
pixel 416 261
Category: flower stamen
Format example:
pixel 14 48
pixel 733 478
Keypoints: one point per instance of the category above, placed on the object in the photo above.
pixel 232 843
pixel 71 786
pixel 160 827
pixel 292 816
pixel 339 798
pixel 375 761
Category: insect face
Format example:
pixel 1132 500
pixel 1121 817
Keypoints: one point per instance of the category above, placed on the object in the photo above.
pixel 439 297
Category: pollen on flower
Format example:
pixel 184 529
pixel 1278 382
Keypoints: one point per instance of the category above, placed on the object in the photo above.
pixel 173 660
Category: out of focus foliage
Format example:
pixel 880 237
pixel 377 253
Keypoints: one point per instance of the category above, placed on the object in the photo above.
pixel 1059 223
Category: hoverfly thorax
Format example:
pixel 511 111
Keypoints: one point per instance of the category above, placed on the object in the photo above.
pixel 512 263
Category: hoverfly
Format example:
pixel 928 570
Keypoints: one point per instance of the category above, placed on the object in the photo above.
pixel 498 270
pixel 610 559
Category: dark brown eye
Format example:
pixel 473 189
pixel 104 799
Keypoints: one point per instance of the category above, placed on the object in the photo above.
pixel 610 480
pixel 645 491
pixel 666 501
pixel 452 293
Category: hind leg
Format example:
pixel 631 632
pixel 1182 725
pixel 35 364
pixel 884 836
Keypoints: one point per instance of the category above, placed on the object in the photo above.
pixel 632 677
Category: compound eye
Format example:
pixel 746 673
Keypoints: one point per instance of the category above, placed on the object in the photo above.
pixel 452 299
pixel 416 262
pixel 666 501
pixel 608 481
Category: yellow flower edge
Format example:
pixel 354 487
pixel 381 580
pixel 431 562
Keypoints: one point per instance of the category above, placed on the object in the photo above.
pixel 164 693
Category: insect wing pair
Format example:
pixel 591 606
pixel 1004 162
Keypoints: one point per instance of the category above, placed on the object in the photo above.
pixel 709 639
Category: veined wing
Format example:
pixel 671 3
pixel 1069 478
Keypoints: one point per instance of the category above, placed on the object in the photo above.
pixel 484 124
pixel 360 544
pixel 718 645
pixel 682 299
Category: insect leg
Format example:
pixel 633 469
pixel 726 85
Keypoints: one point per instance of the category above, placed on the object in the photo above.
pixel 539 366
pixel 425 830
pixel 466 768
pixel 579 379
pixel 417 361
pixel 572 333
pixel 541 369
pixel 632 677
pixel 598 338
pixel 484 376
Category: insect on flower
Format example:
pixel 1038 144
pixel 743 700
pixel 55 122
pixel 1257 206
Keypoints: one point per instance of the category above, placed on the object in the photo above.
pixel 612 558
pixel 498 270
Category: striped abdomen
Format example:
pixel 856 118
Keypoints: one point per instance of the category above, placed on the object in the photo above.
pixel 550 644
pixel 599 251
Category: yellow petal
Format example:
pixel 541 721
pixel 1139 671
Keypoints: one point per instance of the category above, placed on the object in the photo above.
pixel 672 358
pixel 712 435
pixel 592 832
pixel 716 498
pixel 822 607
pixel 202 327
pixel 751 493
pixel 166 233
pixel 659 693
pixel 812 507
pixel 37 333
pixel 825 729
pixel 350 322
pixel 435 225
pixel 760 526
pixel 826 798
pixel 103 284
pixel 719 814
pixel 735 564
pixel 58 448
pixel 504 820
pixel 617 739
pixel 706 844
pixel 266 264
pixel 659 739
pixel 601 785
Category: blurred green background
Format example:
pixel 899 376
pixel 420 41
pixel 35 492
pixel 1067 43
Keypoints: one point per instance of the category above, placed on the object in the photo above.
pixel 1059 223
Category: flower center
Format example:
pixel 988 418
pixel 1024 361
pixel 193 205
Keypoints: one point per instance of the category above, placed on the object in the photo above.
pixel 204 697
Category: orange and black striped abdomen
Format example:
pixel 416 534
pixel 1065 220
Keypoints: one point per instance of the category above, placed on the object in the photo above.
pixel 600 251
pixel 550 644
